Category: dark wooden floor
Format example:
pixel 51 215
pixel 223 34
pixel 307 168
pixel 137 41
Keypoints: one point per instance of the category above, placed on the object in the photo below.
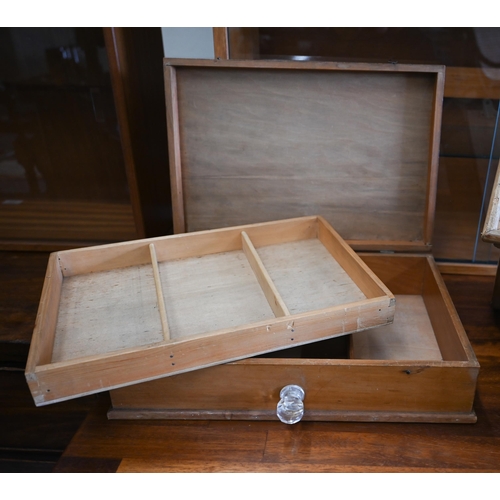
pixel 75 436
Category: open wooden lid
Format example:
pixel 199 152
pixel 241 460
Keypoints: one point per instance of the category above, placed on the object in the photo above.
pixel 255 141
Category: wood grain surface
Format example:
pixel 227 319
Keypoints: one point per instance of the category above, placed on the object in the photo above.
pixel 258 144
pixel 102 329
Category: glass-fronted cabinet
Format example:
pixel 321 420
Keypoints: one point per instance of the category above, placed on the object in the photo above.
pixel 62 173
pixel 470 146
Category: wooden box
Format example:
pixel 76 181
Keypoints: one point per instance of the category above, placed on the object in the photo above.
pixel 115 315
pixel 357 143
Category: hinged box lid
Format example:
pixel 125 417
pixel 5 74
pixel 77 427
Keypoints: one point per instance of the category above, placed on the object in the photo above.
pixel 253 141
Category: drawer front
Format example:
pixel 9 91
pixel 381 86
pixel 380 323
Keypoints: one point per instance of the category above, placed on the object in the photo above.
pixel 346 390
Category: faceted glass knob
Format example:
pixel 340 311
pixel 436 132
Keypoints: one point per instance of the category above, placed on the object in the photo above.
pixel 290 408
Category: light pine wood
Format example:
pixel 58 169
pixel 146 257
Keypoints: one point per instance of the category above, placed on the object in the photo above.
pixel 107 326
pixel 224 445
pixel 419 274
pixel 272 295
pixel 105 312
pixel 159 293
pixel 216 292
pixel 288 143
pixel 129 253
pixel 360 273
pixel 43 334
pixel 410 336
pixel 92 374
pixel 325 286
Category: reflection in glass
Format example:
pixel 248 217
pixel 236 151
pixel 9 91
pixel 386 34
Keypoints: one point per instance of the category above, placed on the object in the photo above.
pixel 60 151
pixel 470 147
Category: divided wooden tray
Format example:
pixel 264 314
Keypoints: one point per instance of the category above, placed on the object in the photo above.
pixel 120 314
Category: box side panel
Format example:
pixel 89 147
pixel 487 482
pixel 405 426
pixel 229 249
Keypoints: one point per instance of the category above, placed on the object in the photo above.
pixel 137 252
pixel 352 387
pixel 67 380
pixel 363 276
pixel 402 274
pixel 449 331
pixel 434 141
pixel 45 326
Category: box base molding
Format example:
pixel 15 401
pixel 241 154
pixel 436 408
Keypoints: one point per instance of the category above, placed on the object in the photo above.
pixel 311 415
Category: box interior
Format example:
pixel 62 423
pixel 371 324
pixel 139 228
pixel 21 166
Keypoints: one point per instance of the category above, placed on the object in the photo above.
pixel 423 328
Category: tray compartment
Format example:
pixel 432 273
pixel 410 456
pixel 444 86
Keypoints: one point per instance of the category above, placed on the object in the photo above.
pixel 105 312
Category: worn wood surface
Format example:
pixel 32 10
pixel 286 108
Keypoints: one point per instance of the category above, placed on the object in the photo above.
pixel 260 140
pixel 34 438
pixel 93 324
pixel 410 336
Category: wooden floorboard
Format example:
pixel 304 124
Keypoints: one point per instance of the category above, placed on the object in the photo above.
pixel 76 436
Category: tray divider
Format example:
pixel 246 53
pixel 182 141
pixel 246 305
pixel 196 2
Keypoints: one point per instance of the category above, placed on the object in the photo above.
pixel 268 287
pixel 159 293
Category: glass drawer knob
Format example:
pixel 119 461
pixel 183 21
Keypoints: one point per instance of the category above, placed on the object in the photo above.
pixel 290 408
